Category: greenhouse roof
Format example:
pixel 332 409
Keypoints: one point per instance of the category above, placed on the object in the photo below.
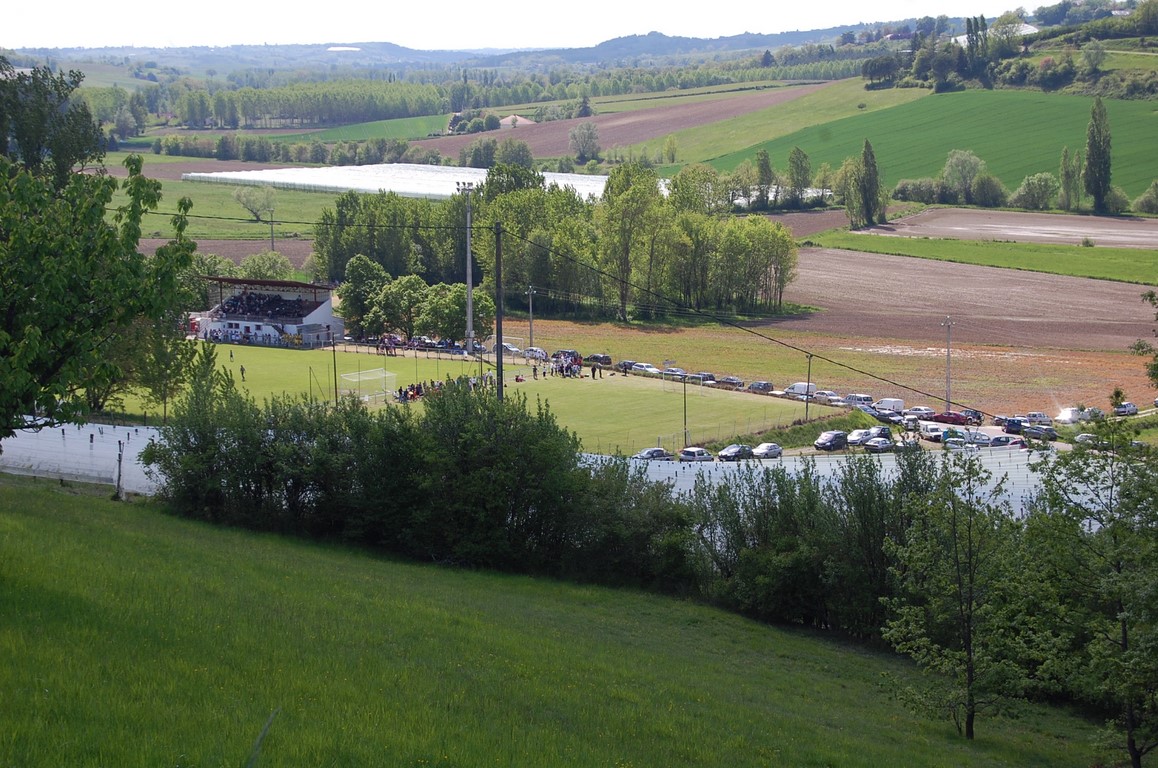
pixel 436 182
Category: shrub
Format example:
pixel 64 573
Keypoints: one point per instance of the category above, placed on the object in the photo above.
pixel 1036 192
pixel 988 192
pixel 1147 202
pixel 1117 201
pixel 916 191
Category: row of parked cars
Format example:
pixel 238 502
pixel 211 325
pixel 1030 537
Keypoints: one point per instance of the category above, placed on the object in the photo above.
pixel 734 452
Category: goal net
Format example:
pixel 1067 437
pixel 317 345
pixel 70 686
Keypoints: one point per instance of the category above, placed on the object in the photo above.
pixel 369 386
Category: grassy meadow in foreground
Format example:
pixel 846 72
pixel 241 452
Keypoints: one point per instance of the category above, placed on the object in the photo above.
pixel 138 639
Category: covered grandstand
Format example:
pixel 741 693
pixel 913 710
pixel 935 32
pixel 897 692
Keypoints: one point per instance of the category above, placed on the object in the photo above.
pixel 274 313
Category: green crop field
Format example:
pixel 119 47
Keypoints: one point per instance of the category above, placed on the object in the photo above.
pixel 1129 265
pixel 138 639
pixel 1017 133
pixel 402 128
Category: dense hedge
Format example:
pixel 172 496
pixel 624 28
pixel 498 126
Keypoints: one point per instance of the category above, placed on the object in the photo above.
pixel 480 482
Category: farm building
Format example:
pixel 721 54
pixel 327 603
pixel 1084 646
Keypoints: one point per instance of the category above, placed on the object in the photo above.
pixel 275 313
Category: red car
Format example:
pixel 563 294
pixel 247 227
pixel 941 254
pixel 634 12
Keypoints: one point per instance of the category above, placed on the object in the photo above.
pixel 951 417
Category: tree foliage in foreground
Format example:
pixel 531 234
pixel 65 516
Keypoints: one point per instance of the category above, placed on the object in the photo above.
pixel 70 279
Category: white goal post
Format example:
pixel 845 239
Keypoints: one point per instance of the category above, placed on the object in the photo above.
pixel 369 386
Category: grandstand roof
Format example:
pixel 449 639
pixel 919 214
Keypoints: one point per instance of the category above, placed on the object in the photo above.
pixel 256 283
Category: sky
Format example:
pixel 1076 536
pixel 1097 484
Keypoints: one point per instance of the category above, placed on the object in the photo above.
pixel 444 25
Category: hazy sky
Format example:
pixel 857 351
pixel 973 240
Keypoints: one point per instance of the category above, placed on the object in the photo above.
pixel 444 24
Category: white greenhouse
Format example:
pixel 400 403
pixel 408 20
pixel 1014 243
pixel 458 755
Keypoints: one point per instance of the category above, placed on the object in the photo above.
pixel 436 182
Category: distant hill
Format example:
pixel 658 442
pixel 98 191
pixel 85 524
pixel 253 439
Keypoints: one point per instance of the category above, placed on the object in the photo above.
pixel 628 49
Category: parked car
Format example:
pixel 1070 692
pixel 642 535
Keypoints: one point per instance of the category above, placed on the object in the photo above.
pixel 507 349
pixel 858 436
pixel 889 417
pixel 732 382
pixel 1126 409
pixel 601 359
pixel 706 376
pixel 1013 425
pixel 761 387
pixel 879 445
pixel 973 416
pixel 735 452
pixel 1038 432
pixel 921 412
pixel 535 353
pixel 879 432
pixel 932 431
pixel 890 404
pixel 674 373
pixel 1006 441
pixel 978 438
pixel 767 451
pixel 1087 438
pixel 696 380
pixel 695 454
pixel 1072 415
pixel 957 444
pixel 625 365
pixel 1038 417
pixel 951 417
pixel 832 440
pixel 653 454
pixel 828 397
pixel 566 353
pixel 648 368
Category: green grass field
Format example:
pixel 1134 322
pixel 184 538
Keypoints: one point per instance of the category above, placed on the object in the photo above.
pixel 1017 133
pixel 138 639
pixel 1124 264
pixel 613 414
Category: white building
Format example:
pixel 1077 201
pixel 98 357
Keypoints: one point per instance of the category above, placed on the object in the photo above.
pixel 274 313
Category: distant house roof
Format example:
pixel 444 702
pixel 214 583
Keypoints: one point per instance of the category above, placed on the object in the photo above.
pixel 510 121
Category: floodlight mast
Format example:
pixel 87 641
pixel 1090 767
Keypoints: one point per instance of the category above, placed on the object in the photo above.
pixel 467 188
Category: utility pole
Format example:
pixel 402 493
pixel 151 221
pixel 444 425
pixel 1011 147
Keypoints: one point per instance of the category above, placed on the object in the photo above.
pixel 531 314
pixel 467 188
pixel 948 326
pixel 808 389
pixel 499 304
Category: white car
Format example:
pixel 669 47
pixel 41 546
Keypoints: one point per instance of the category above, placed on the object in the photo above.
pixel 767 451
pixel 958 444
pixel 1126 409
pixel 858 436
pixel 535 353
pixel 980 439
pixel 920 411
pixel 695 454
pixel 646 368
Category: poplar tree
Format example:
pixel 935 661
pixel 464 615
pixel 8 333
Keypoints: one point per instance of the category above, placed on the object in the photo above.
pixel 1097 170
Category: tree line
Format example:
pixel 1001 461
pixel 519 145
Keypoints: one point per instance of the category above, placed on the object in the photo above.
pixel 631 252
pixel 1054 602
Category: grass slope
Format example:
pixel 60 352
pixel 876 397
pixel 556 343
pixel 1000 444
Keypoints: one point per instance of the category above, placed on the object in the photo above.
pixel 1017 133
pixel 136 639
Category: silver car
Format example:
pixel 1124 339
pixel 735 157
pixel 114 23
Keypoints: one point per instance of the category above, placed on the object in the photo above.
pixel 695 454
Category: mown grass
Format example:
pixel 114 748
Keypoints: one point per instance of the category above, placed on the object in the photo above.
pixel 612 414
pixel 1017 133
pixel 138 639
pixel 1124 264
